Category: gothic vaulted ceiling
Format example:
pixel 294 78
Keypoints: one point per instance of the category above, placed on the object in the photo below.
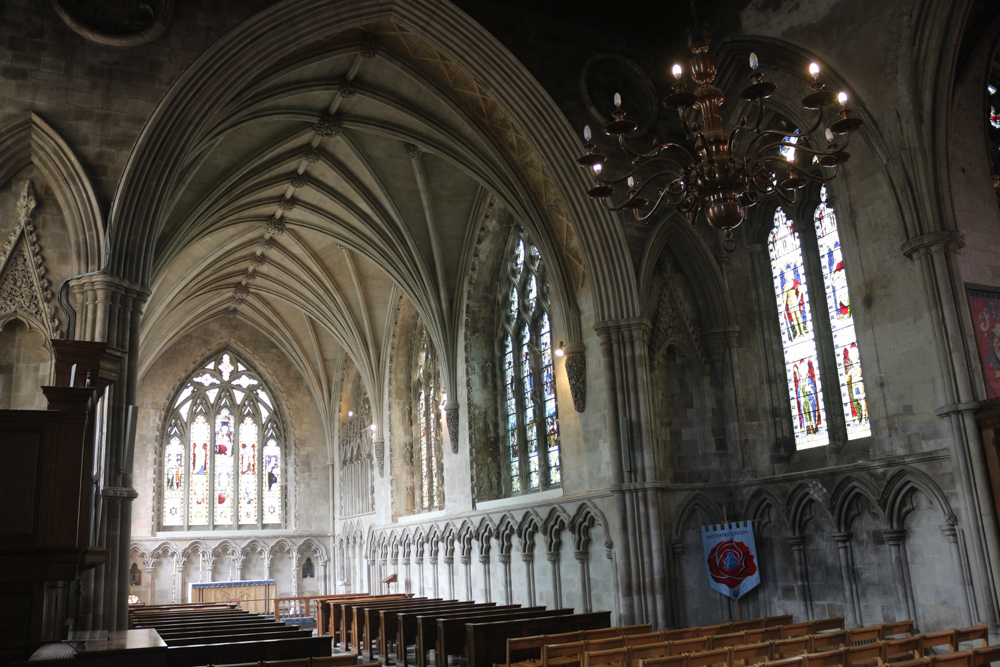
pixel 337 181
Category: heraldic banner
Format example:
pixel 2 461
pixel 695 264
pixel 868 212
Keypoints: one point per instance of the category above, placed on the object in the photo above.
pixel 731 558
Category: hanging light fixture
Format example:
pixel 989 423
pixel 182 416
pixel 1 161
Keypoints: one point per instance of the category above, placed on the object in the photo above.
pixel 728 170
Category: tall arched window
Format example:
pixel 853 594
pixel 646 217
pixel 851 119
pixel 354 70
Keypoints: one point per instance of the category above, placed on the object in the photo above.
pixel 807 342
pixel 222 455
pixel 528 405
pixel 428 390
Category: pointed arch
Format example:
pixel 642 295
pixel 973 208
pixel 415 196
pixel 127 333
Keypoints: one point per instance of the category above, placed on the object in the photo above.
pixel 799 504
pixel 760 501
pixel 28 139
pixel 896 496
pixel 223 447
pixel 697 502
pixel 842 501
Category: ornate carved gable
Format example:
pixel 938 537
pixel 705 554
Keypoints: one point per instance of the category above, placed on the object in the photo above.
pixel 672 324
pixel 24 289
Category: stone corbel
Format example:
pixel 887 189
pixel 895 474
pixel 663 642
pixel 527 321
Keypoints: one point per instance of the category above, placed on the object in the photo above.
pixel 576 373
pixel 379 445
pixel 451 418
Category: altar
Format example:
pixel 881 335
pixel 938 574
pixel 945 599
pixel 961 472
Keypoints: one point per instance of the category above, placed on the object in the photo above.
pixel 253 595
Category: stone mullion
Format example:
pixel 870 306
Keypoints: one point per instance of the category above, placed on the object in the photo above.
pixel 826 351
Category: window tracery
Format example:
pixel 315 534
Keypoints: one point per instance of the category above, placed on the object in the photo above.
pixel 428 390
pixel 528 398
pixel 215 473
pixel 804 355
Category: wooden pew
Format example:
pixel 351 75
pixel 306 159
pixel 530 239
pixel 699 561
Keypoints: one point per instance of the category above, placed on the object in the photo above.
pixel 365 615
pixel 247 651
pixel 289 632
pixel 446 634
pixel 389 631
pixel 267 628
pixel 342 614
pixel 372 631
pixel 486 642
pixel 407 628
pixel 325 620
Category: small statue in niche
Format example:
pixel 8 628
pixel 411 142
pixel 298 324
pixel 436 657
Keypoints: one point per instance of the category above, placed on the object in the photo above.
pixel 307 569
pixel 135 575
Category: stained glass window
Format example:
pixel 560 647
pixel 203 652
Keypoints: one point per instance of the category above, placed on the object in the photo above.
pixel 528 394
pixel 429 398
pixel 216 474
pixel 798 335
pixel 845 340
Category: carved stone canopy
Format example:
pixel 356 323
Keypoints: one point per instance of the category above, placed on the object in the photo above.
pixel 24 290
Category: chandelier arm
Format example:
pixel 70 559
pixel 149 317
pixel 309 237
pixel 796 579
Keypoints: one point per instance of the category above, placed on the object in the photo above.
pixel 624 177
pixel 806 174
pixel 656 151
pixel 768 133
pixel 815 126
pixel 760 114
pixel 688 132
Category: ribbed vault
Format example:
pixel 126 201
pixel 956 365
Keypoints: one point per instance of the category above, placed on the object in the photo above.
pixel 341 175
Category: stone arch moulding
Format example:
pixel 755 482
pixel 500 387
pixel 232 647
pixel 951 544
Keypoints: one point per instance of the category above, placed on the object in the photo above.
pixel 28 139
pixel 695 502
pixel 553 183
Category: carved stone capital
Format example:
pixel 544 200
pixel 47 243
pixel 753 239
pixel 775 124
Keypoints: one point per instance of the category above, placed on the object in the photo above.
pixel 504 558
pixel 894 536
pixel 484 558
pixel 949 241
pixel 581 556
pixel 466 560
pixel 843 540
pixel 448 560
pixel 528 558
pixel 552 556
pixel 795 541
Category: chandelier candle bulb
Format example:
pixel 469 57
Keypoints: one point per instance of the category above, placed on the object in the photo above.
pixel 842 98
pixel 754 63
pixel 678 71
pixel 829 135
pixel 586 133
pixel 597 168
pixel 814 70
pixel 618 100
pixel 631 181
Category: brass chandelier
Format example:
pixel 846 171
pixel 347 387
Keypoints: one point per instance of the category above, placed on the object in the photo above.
pixel 728 170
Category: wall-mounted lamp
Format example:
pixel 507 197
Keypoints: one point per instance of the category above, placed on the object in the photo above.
pixel 350 413
pixel 559 350
pixel 373 427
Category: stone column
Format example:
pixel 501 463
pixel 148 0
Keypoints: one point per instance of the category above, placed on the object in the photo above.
pixel 419 561
pixel 950 532
pixel 797 545
pixel 507 589
pixel 434 575
pixel 553 558
pixel 323 573
pixel 484 560
pixel 407 583
pixel 467 564
pixel 583 558
pixel 852 603
pixel 896 540
pixel 945 291
pixel 150 588
pixel 176 583
pixel 450 562
pixel 529 576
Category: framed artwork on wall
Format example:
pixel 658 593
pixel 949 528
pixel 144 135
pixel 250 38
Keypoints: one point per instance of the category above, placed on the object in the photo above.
pixel 984 305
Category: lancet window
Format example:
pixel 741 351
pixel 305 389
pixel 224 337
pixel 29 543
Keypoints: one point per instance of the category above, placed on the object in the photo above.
pixel 429 399
pixel 812 332
pixel 222 453
pixel 529 416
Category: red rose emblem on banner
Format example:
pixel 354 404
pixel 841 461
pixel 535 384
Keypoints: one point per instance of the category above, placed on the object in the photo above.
pixel 729 563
